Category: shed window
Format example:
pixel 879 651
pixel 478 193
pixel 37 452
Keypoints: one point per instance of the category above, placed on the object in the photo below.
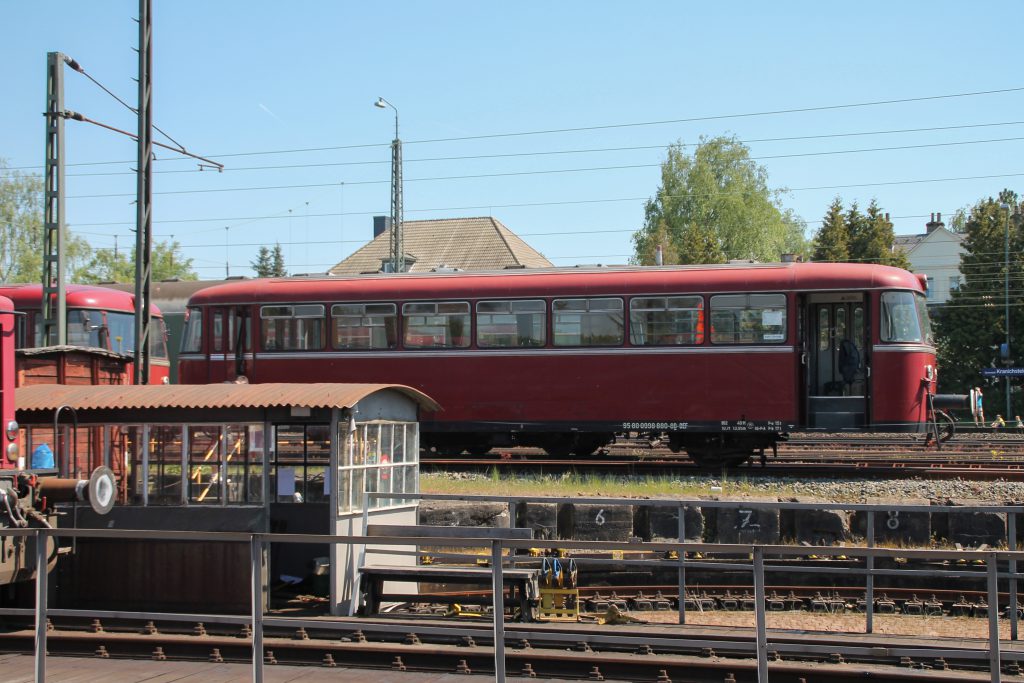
pixel 293 328
pixel 666 321
pixel 379 457
pixel 364 326
pixel 587 322
pixel 748 319
pixel 510 323
pixel 436 325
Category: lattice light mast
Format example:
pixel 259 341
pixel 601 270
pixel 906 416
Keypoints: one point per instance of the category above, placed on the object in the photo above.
pixel 397 246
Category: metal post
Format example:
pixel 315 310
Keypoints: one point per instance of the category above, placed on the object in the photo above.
pixel 144 196
pixel 869 589
pixel 256 576
pixel 759 616
pixel 498 588
pixel 54 302
pixel 397 211
pixel 41 589
pixel 1006 296
pixel 1011 544
pixel 993 618
pixel 682 565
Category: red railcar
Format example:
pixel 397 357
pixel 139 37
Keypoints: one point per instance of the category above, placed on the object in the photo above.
pixel 720 360
pixel 7 375
pixel 97 317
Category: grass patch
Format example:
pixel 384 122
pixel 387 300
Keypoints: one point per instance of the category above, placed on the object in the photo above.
pixel 496 483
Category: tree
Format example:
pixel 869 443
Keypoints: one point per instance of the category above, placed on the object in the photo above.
pixel 972 325
pixel 858 237
pixel 832 241
pixel 167 263
pixel 277 262
pixel 875 240
pixel 715 206
pixel 262 264
pixel 21 230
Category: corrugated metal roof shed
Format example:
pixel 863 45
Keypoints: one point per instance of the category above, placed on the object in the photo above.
pixel 205 396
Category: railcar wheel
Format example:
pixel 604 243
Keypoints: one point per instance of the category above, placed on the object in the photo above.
pixel 478 450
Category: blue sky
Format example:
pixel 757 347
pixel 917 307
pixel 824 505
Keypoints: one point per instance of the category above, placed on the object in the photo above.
pixel 238 78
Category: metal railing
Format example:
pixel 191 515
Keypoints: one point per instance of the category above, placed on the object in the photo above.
pixel 760 565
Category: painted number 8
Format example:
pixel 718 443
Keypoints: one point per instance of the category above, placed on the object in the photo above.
pixel 894 520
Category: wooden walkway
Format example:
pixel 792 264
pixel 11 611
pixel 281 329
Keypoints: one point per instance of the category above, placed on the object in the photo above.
pixel 21 669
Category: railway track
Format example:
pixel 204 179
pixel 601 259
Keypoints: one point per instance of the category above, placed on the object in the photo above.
pixel 627 652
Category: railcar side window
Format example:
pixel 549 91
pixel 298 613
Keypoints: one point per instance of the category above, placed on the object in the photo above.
pixel 436 325
pixel 501 324
pixel 587 322
pixel 748 319
pixel 364 326
pixel 664 321
pixel 293 328
pixel 905 318
pixel 192 340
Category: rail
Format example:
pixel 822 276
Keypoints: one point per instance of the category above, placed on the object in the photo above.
pixel 760 565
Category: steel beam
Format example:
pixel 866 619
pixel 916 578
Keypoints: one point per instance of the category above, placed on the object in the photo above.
pixel 144 196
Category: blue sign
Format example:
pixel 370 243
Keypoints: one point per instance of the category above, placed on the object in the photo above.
pixel 1002 372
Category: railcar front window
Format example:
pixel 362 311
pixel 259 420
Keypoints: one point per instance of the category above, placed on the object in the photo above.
pixel 365 326
pixel 666 321
pixel 293 328
pixel 192 340
pixel 748 319
pixel 587 322
pixel 436 325
pixel 905 318
pixel 502 324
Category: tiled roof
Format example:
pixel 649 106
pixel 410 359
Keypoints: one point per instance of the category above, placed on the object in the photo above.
pixel 482 243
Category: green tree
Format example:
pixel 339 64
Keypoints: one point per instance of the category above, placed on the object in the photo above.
pixel 167 262
pixel 262 265
pixel 21 230
pixel 832 241
pixel 277 262
pixel 875 240
pixel 714 206
pixel 970 328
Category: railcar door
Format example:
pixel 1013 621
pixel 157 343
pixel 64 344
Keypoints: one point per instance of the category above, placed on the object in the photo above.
pixel 836 361
pixel 229 343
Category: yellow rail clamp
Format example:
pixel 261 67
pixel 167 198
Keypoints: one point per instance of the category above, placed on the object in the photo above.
pixel 426 559
pixel 559 604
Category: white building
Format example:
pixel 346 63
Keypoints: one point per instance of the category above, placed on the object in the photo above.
pixel 936 254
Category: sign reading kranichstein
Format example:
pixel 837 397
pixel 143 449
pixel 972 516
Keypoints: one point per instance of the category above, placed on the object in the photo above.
pixel 1002 372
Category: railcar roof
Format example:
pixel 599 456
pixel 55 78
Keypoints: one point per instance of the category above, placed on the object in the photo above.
pixel 567 281
pixel 29 297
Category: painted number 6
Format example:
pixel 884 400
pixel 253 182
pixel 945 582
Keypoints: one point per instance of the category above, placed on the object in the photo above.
pixel 599 519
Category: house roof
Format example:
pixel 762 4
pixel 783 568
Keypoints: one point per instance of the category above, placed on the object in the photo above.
pixel 481 243
pixel 910 242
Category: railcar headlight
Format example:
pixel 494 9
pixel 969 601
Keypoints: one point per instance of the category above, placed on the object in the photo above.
pixel 12 430
pixel 12 451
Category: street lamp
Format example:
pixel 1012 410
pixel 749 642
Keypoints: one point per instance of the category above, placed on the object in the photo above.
pixel 1006 296
pixel 397 247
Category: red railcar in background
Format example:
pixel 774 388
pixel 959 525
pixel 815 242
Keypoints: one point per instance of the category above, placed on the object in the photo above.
pixel 7 375
pixel 97 317
pixel 722 361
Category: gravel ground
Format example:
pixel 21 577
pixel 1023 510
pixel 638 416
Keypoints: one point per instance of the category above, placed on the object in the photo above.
pixel 954 627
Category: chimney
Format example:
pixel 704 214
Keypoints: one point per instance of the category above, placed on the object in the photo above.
pixel 380 224
pixel 658 258
pixel 935 222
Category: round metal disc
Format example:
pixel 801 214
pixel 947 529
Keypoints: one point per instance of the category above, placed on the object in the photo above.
pixel 102 490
